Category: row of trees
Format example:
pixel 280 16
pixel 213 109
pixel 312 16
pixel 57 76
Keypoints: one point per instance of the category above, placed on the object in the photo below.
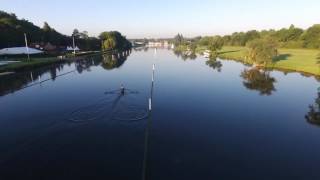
pixel 291 37
pixel 261 51
pixel 12 32
pixel 262 45
pixel 212 43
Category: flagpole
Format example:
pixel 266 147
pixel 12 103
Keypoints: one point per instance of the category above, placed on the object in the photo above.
pixel 74 48
pixel 25 39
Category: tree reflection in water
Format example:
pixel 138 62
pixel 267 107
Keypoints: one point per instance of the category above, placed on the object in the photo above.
pixel 259 80
pixel 185 56
pixel 24 79
pixel 313 116
pixel 116 60
pixel 13 82
pixel 214 64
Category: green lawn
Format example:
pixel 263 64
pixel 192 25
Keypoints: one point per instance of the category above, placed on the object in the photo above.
pixel 36 62
pixel 302 60
pixel 26 64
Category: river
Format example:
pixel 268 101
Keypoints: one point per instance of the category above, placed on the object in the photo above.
pixel 209 120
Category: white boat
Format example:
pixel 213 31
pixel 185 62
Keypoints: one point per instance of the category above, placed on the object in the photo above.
pixel 206 54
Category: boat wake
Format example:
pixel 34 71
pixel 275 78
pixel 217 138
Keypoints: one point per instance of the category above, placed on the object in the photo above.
pixel 115 105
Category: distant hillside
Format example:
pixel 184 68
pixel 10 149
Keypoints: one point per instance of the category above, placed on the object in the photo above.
pixel 12 32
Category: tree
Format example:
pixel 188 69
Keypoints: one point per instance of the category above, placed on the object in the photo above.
pixel 250 35
pixel 215 44
pixel 84 35
pixel 178 40
pixel 46 32
pixel 46 27
pixel 262 51
pixel 12 30
pixel 114 40
pixel 311 37
pixel 293 33
pixel 110 43
pixel 75 33
pixel 193 47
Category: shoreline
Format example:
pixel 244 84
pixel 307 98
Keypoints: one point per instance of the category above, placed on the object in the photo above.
pixel 39 62
pixel 299 60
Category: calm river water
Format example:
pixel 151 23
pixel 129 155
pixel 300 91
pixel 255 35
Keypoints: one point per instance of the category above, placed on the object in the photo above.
pixel 209 120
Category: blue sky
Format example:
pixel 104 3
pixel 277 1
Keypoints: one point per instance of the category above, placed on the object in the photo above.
pixel 165 18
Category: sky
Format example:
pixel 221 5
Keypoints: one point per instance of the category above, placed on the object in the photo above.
pixel 166 18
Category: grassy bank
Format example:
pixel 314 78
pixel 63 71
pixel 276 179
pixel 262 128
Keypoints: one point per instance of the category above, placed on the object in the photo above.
pixel 36 62
pixel 300 60
pixel 25 64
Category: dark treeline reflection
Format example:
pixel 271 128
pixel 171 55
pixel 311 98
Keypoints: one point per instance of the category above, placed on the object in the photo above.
pixel 259 80
pixel 142 48
pixel 185 56
pixel 214 64
pixel 14 82
pixel 111 61
pixel 11 83
pixel 313 116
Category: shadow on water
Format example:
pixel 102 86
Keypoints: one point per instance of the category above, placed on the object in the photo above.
pixel 25 79
pixel 313 116
pixel 258 80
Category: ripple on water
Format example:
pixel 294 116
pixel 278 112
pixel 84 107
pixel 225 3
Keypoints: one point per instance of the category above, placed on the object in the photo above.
pixel 113 106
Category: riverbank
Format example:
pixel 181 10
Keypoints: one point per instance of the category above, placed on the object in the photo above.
pixel 25 64
pixel 299 60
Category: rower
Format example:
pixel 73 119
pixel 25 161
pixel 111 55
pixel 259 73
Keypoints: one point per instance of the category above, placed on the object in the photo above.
pixel 122 89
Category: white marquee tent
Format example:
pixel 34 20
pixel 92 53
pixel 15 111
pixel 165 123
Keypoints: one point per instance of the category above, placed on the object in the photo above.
pixel 69 48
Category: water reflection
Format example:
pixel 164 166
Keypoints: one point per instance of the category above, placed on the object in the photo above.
pixel 142 48
pixel 11 83
pixel 259 80
pixel 86 64
pixel 111 61
pixel 20 80
pixel 313 116
pixel 214 64
pixel 185 55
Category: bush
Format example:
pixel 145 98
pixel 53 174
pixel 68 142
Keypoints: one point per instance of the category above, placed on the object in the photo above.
pixel 262 51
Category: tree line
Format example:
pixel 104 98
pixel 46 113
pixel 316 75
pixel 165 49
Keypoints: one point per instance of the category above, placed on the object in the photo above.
pixel 12 32
pixel 292 37
pixel 262 45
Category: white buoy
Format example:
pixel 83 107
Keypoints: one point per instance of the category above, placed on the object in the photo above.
pixel 150 104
